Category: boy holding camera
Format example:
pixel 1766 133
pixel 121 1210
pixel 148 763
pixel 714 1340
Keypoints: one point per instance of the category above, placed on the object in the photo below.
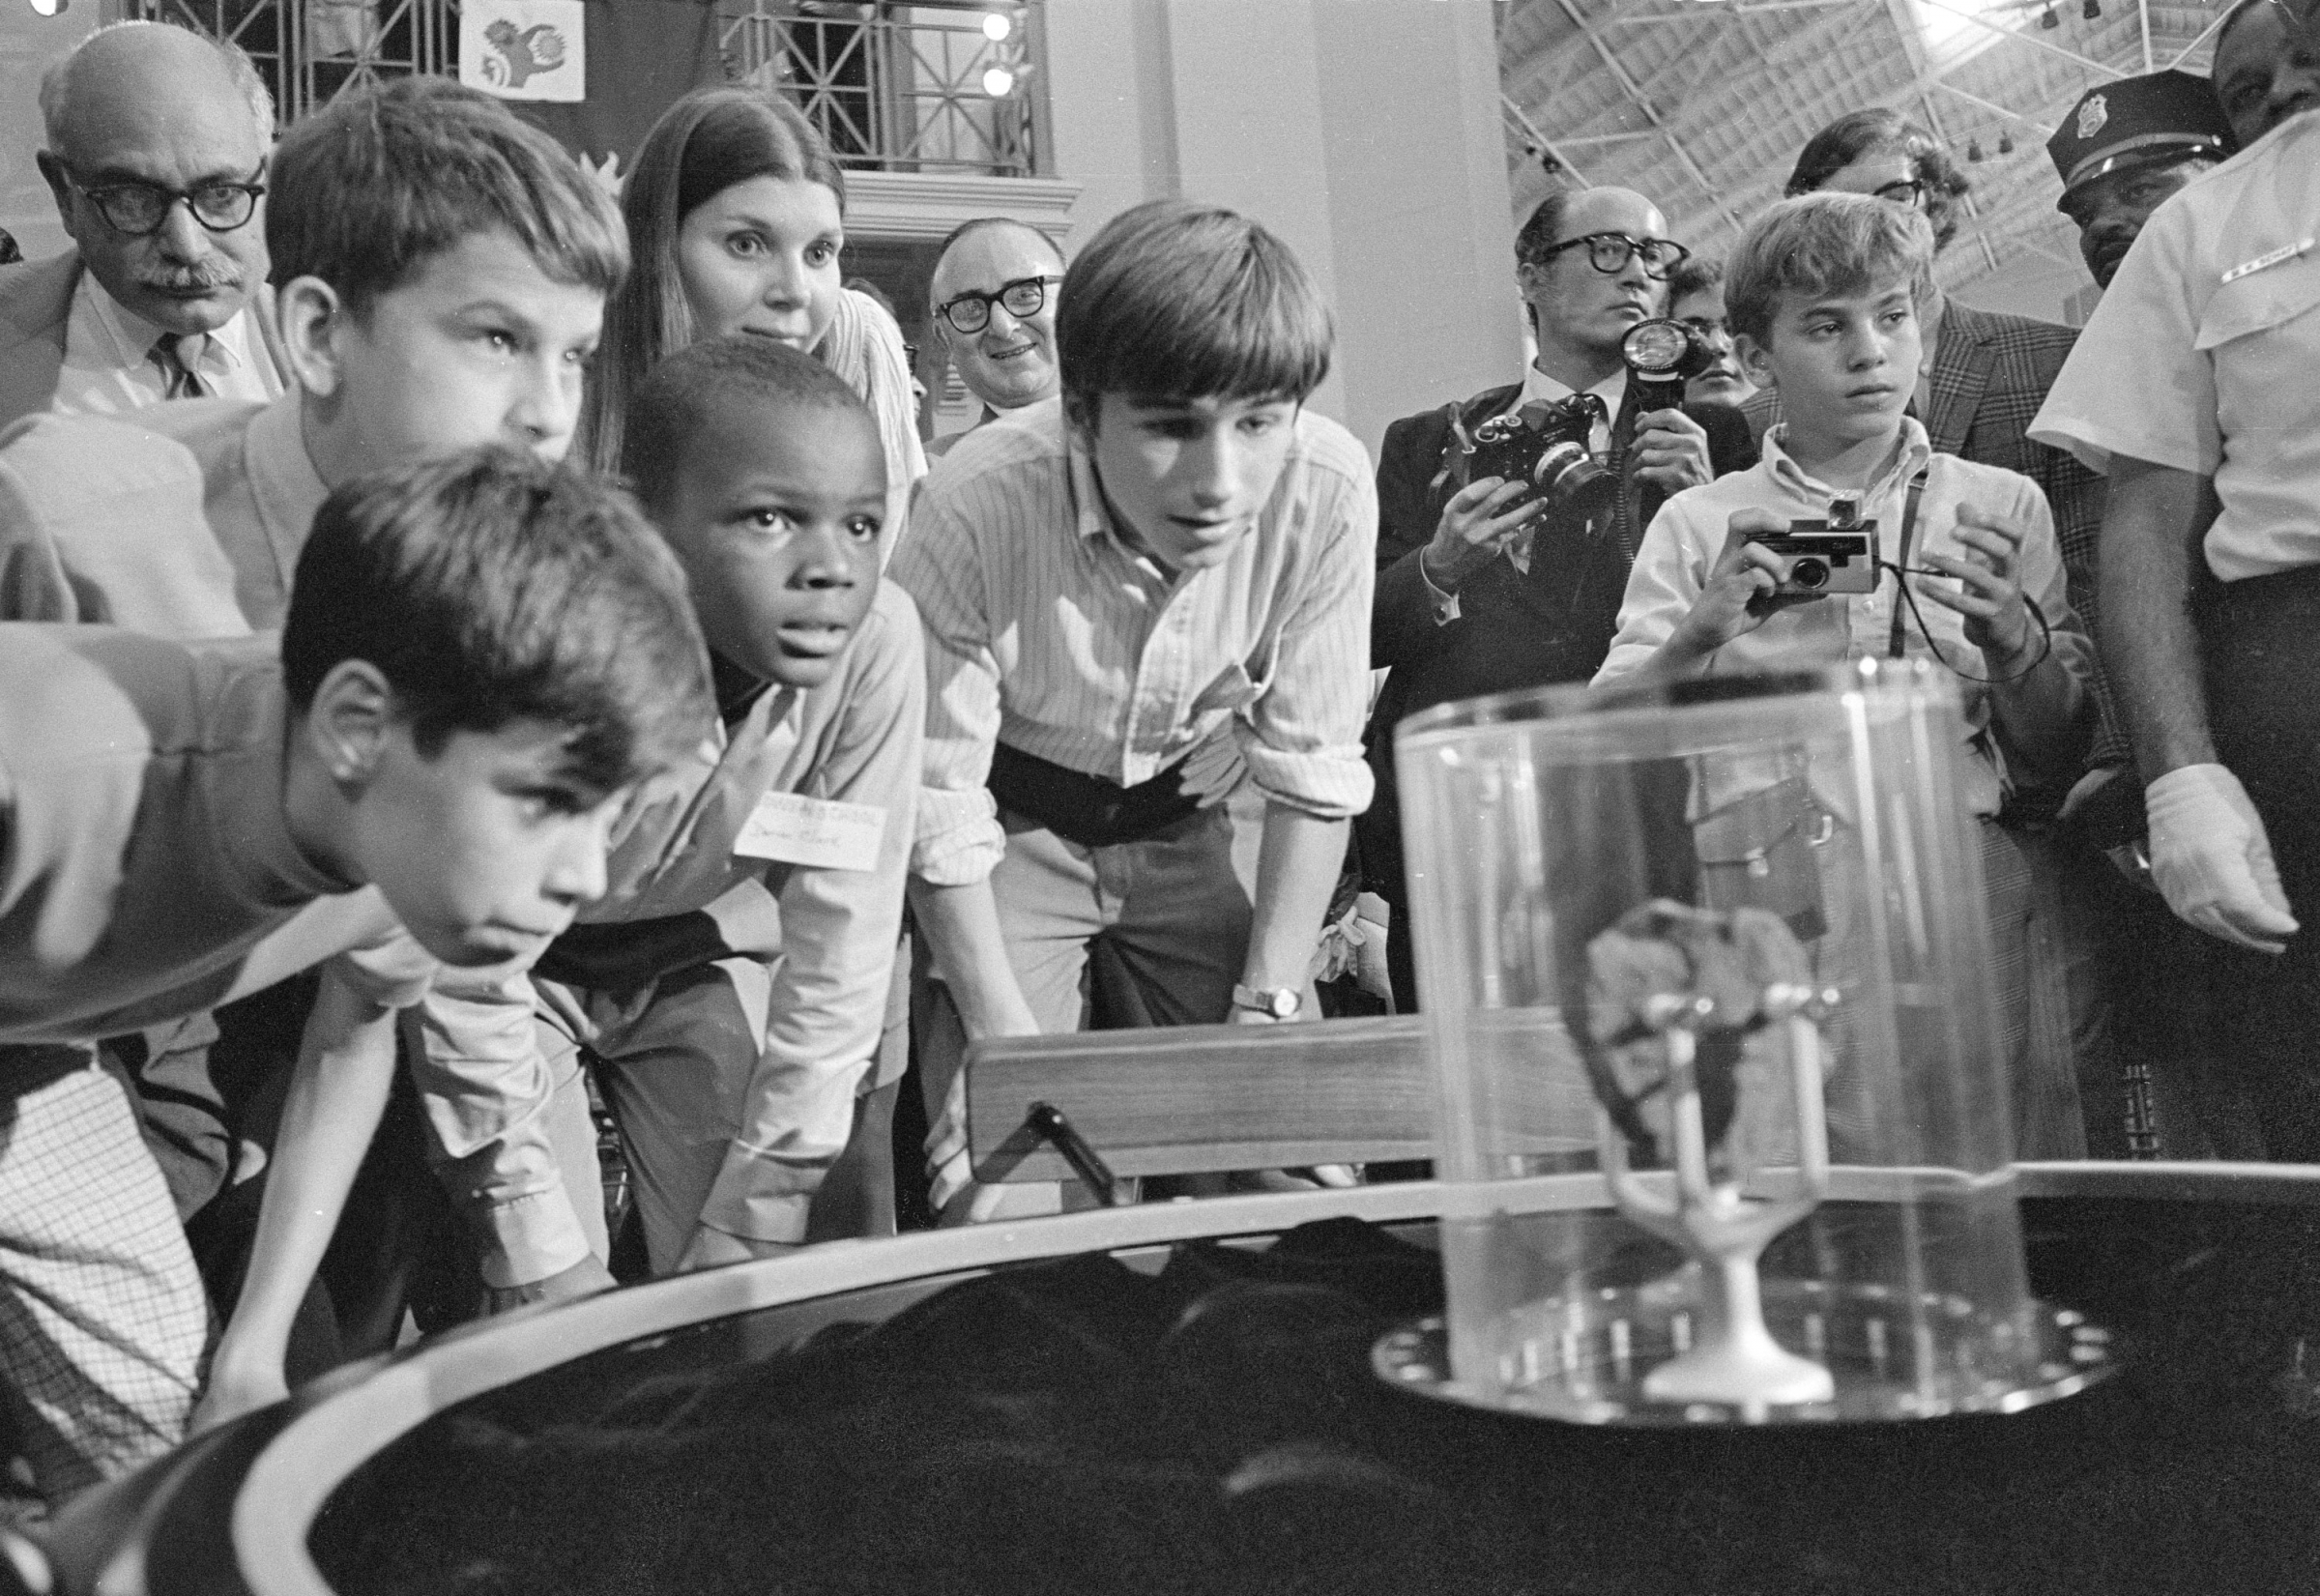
pixel 1823 294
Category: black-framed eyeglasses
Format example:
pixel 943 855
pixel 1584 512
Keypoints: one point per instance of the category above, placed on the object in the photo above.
pixel 1908 193
pixel 971 311
pixel 1610 252
pixel 141 209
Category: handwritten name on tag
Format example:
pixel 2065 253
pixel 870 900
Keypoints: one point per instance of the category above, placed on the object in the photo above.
pixel 820 832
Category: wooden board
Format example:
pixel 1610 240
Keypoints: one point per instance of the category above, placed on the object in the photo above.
pixel 1189 1099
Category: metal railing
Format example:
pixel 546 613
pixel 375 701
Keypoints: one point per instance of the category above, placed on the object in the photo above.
pixel 308 50
pixel 892 87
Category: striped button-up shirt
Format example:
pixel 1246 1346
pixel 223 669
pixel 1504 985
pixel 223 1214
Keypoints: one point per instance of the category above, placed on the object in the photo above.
pixel 1044 629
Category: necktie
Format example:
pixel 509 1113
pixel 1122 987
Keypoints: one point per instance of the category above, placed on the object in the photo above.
pixel 178 381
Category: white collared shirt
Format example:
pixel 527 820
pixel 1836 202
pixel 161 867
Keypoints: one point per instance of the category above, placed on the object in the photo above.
pixel 2200 356
pixel 109 370
pixel 1687 538
pixel 1046 627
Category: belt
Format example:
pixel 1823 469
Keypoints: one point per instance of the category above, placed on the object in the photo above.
pixel 1086 809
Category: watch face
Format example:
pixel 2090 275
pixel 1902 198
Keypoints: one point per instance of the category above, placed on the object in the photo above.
pixel 1282 1003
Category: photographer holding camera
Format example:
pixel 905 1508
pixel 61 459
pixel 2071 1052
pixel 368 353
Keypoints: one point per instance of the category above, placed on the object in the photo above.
pixel 1486 585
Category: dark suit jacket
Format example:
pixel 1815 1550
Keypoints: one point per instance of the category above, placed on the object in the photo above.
pixel 1990 373
pixel 1513 631
pixel 36 302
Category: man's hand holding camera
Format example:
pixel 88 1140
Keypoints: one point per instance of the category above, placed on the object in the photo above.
pixel 1672 451
pixel 1480 520
pixel 1986 593
pixel 1740 592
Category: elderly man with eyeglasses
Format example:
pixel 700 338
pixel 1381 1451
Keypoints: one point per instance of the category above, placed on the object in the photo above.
pixel 1480 587
pixel 158 141
pixel 992 295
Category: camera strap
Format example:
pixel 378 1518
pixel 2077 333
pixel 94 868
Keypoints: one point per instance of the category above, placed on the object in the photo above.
pixel 1900 563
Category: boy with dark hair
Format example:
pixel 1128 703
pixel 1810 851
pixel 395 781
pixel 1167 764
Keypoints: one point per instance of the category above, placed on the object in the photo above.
pixel 1135 598
pixel 1825 291
pixel 442 271
pixel 730 987
pixel 185 823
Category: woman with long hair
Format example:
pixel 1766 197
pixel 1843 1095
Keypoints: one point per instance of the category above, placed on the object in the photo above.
pixel 737 218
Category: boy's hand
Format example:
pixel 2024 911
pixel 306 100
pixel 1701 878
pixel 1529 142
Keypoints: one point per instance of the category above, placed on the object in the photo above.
pixel 1739 590
pixel 1672 450
pixel 585 1278
pixel 710 1247
pixel 232 1393
pixel 1997 620
pixel 1480 520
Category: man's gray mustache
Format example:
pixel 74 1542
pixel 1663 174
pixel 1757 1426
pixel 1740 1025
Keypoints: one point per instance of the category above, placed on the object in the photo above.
pixel 194 280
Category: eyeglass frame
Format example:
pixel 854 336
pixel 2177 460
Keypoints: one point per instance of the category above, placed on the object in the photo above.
pixel 97 194
pixel 1038 280
pixel 1918 193
pixel 1631 248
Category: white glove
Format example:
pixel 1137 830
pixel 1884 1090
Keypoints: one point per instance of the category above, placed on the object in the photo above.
pixel 2212 859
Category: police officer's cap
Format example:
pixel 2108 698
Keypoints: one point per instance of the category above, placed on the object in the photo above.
pixel 2165 116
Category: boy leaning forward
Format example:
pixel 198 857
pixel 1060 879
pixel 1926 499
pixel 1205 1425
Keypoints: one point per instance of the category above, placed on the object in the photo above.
pixel 1139 599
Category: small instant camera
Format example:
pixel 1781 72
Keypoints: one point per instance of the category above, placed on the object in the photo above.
pixel 1824 557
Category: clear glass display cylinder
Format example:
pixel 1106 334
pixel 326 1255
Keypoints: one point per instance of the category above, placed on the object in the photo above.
pixel 1706 978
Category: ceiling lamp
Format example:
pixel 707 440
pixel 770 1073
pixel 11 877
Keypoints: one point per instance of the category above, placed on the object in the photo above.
pixel 2092 10
pixel 998 26
pixel 2047 19
pixel 999 83
pixel 2006 143
pixel 47 8
pixel 1973 148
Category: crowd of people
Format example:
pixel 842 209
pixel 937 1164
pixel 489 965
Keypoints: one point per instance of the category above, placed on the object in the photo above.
pixel 484 653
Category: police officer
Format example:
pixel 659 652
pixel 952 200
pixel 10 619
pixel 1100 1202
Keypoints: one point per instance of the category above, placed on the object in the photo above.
pixel 2125 148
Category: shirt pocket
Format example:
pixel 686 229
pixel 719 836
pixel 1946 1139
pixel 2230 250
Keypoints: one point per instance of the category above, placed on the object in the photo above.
pixel 2267 298
pixel 1234 690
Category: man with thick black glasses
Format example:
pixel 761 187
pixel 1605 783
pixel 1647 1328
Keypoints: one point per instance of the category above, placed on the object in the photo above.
pixel 156 155
pixel 993 295
pixel 1482 588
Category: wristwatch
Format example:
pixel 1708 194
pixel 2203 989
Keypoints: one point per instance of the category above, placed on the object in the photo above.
pixel 1280 1002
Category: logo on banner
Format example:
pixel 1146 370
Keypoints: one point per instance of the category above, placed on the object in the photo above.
pixel 525 49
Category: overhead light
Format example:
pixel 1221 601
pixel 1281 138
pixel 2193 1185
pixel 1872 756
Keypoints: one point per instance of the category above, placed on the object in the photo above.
pixel 2006 143
pixel 2092 10
pixel 999 83
pixel 998 24
pixel 1973 148
pixel 47 8
pixel 2047 19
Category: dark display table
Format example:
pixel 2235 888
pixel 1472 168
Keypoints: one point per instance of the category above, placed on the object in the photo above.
pixel 1201 1418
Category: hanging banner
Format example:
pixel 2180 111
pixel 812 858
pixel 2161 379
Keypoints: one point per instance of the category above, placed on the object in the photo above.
pixel 525 49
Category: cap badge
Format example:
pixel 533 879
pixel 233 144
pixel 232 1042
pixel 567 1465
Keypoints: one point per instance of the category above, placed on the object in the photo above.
pixel 2091 116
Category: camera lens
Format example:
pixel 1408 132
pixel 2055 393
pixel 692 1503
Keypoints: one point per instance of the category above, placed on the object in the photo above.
pixel 1809 573
pixel 1570 479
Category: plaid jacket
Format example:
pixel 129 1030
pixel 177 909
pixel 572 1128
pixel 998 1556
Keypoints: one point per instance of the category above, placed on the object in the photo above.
pixel 1990 373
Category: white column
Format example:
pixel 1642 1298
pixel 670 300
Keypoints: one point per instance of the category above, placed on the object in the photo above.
pixel 1363 131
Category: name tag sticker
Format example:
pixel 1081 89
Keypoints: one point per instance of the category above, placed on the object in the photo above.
pixel 820 832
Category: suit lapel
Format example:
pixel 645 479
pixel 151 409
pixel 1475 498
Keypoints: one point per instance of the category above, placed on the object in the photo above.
pixel 1961 372
pixel 36 302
